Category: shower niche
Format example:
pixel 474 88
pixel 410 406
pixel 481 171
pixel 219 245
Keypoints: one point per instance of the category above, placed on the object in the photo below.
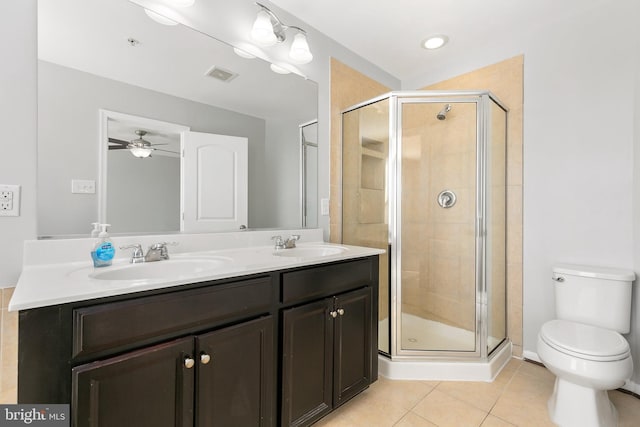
pixel 424 177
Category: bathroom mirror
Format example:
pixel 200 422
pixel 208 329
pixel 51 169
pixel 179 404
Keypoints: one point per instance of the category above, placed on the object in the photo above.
pixel 108 54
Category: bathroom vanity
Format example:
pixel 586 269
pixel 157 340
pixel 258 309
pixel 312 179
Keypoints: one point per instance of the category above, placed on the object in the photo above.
pixel 284 346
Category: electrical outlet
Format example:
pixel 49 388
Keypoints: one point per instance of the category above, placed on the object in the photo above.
pixel 324 207
pixel 9 200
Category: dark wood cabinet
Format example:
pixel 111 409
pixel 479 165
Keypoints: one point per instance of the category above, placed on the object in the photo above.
pixel 326 355
pixel 278 348
pixel 146 388
pixel 235 376
pixel 307 363
pixel 221 378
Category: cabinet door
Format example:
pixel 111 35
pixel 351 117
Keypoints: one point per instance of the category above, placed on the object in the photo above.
pixel 236 376
pixel 307 363
pixel 152 387
pixel 352 347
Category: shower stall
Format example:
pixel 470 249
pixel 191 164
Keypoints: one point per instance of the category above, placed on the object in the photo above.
pixel 424 177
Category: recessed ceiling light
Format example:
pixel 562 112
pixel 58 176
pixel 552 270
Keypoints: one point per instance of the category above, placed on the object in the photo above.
pixel 435 42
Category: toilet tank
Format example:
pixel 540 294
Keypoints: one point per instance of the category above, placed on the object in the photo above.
pixel 597 296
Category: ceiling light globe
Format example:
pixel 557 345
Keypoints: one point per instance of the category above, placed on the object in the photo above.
pixel 262 30
pixel 243 54
pixel 300 52
pixel 279 69
pixel 183 3
pixel 140 152
pixel 159 18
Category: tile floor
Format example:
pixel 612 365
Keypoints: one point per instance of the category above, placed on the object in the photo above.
pixel 518 397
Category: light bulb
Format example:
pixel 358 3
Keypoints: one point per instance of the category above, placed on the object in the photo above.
pixel 262 31
pixel 300 52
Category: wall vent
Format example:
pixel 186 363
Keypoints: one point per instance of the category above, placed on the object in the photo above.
pixel 221 74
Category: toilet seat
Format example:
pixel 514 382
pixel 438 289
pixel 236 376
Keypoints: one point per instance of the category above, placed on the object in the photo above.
pixel 585 341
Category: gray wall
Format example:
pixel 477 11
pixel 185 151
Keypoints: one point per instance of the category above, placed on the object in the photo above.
pixel 143 194
pixel 18 115
pixel 68 134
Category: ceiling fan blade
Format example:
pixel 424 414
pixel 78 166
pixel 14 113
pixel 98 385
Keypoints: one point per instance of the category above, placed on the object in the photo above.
pixel 166 151
pixel 117 147
pixel 118 141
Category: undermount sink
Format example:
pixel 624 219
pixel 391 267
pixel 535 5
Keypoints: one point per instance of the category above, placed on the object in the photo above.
pixel 311 251
pixel 169 269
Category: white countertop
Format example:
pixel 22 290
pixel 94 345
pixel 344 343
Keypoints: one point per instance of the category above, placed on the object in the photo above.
pixel 70 279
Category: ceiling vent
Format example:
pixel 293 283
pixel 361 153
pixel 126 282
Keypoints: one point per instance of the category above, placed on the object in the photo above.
pixel 221 74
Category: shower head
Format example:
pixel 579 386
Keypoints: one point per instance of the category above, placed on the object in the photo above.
pixel 443 113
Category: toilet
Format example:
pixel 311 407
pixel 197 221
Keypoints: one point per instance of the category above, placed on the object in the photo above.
pixel 583 346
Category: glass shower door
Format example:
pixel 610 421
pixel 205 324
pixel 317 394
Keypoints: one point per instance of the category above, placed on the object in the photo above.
pixel 365 193
pixel 436 260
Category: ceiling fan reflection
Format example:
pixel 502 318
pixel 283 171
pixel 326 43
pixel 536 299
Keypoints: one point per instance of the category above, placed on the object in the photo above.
pixel 138 147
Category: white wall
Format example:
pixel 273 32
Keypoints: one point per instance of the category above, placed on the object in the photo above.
pixel 18 110
pixel 634 339
pixel 579 109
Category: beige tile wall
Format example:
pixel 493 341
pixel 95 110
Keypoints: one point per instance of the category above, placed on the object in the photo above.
pixel 8 349
pixel 348 88
pixel 505 79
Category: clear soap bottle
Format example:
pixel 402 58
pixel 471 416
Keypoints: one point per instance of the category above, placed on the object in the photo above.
pixel 103 251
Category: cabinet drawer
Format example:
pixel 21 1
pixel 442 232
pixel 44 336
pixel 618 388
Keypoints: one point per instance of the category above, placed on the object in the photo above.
pixel 119 325
pixel 325 280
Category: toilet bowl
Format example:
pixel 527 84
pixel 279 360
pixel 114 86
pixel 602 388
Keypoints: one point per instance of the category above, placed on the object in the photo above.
pixel 587 361
pixel 584 347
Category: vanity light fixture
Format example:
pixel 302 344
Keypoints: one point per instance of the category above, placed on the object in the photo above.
pixel 159 18
pixel 435 42
pixel 279 69
pixel 268 30
pixel 243 53
pixel 182 3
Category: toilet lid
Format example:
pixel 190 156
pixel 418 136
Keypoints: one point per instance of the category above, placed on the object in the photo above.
pixel 584 341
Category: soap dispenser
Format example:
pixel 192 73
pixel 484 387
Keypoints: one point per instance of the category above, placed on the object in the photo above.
pixel 103 251
pixel 96 229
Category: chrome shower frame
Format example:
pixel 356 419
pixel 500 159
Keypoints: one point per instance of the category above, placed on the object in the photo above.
pixel 483 101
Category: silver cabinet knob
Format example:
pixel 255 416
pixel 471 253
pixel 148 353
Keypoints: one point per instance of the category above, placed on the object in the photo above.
pixel 333 314
pixel 205 358
pixel 189 362
pixel 341 311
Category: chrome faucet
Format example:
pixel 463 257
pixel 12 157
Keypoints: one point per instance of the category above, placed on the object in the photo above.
pixel 137 255
pixel 290 243
pixel 279 242
pixel 158 251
